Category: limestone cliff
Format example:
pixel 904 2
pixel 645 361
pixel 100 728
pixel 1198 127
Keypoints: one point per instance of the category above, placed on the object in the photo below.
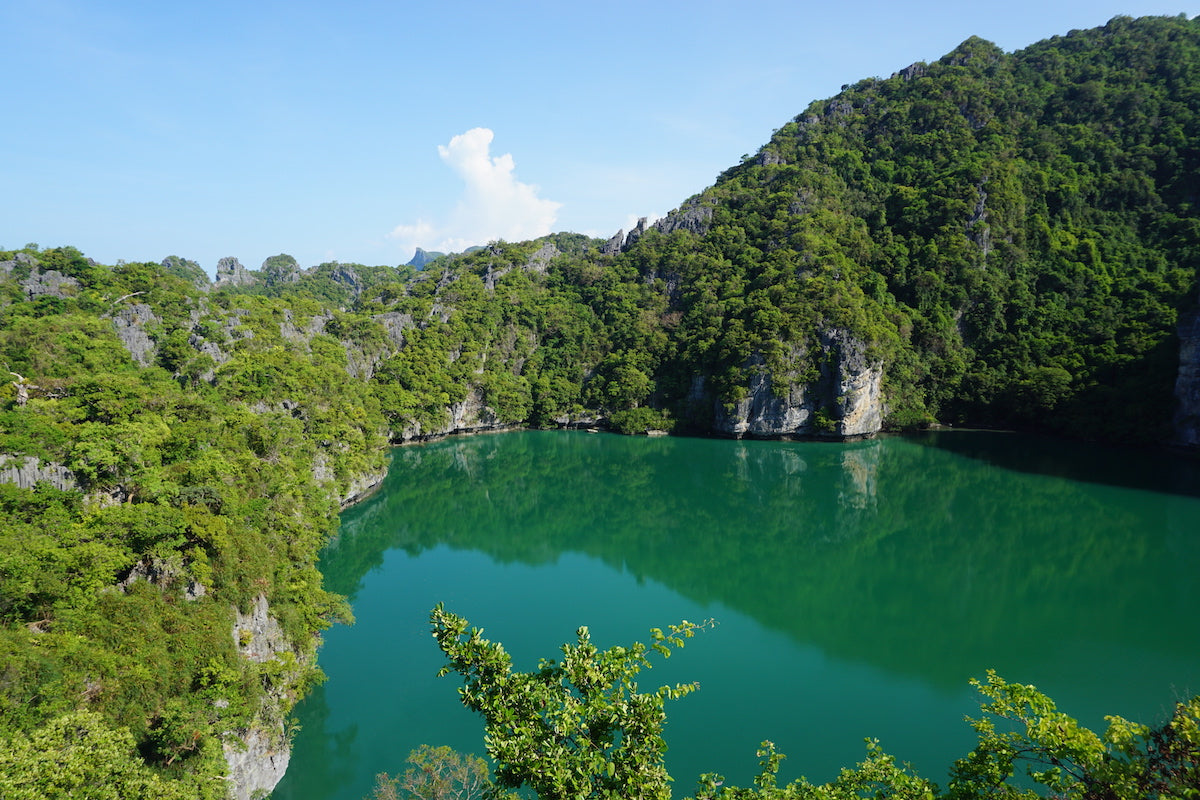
pixel 258 756
pixel 1187 385
pixel 27 472
pixel 470 415
pixel 130 323
pixel 37 282
pixel 230 272
pixel 843 401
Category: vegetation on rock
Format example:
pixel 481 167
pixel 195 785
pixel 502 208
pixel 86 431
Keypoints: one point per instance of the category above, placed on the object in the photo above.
pixel 1004 239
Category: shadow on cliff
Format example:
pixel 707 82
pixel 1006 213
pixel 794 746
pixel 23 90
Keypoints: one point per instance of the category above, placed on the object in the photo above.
pixel 1126 466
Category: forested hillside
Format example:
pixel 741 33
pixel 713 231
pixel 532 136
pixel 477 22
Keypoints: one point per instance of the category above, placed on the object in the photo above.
pixel 1013 235
pixel 995 239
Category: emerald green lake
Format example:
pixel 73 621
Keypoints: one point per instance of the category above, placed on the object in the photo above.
pixel 855 589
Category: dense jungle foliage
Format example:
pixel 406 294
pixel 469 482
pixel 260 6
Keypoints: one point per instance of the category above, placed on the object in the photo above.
pixel 580 726
pixel 1012 236
pixel 1015 234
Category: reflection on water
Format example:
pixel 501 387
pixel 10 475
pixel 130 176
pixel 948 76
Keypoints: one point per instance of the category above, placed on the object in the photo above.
pixel 862 582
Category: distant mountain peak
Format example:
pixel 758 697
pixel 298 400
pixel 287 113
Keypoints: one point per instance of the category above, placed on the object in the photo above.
pixel 423 257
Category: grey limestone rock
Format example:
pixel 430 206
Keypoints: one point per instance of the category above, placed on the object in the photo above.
pixel 838 108
pixel 361 487
pixel 765 411
pixel 281 269
pixel 257 634
pixel 230 272
pixel 210 349
pixel 164 575
pixel 48 282
pixel 422 257
pixel 130 323
pixel 978 230
pixel 857 391
pixel 843 402
pixel 471 415
pixel 347 276
pixel 26 472
pixel 912 71
pixel 257 761
pixel 769 158
pixel 18 259
pixel 1187 382
pixel 613 246
pixel 395 323
pixel 292 332
pixel 540 261
pixel 258 757
pixel 638 231
pixel 694 216
pixel 188 270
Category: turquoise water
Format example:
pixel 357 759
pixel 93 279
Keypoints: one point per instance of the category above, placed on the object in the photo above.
pixel 855 589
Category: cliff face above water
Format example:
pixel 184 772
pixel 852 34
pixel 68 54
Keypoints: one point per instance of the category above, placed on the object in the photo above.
pixel 843 401
pixel 1187 385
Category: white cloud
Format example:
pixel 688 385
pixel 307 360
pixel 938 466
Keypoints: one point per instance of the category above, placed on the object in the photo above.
pixel 493 205
pixel 421 232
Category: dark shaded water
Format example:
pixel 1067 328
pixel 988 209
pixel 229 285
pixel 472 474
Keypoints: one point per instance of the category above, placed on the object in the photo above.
pixel 856 588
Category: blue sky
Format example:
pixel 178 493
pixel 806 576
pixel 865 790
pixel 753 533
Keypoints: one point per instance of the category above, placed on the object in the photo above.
pixel 354 131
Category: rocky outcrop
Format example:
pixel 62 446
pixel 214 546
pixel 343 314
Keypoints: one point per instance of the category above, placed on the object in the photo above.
pixel 348 276
pixel 18 260
pixel 584 420
pixel 257 762
pixel 228 331
pixel 258 757
pixel 978 230
pixel 844 401
pixel 281 269
pixel 638 232
pixel 49 282
pixel 693 216
pixel 230 272
pixel 395 323
pixel 613 246
pixel 188 270
pixel 27 472
pixel 257 634
pixel 470 415
pixel 621 241
pixel 857 390
pixel 1187 384
pixel 130 323
pixel 539 262
pixel 912 71
pixel 362 487
pixel 165 575
pixel 302 334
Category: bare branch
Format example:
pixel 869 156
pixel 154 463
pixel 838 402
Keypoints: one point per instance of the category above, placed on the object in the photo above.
pixel 126 297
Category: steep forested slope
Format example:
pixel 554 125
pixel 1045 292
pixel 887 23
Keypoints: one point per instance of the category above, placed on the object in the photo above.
pixel 993 238
pixel 160 529
pixel 1014 235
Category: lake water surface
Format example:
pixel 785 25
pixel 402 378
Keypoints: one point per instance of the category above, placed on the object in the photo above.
pixel 855 588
